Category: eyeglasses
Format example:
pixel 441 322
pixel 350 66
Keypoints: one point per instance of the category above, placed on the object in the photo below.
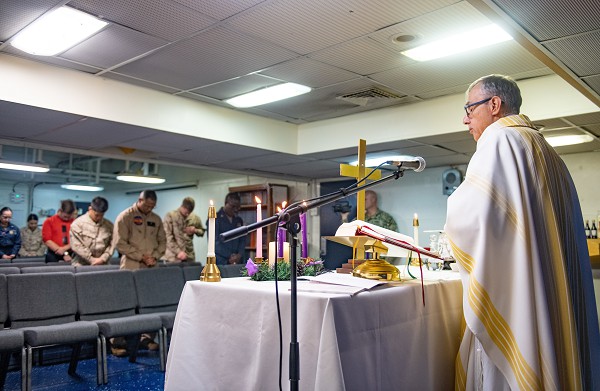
pixel 471 106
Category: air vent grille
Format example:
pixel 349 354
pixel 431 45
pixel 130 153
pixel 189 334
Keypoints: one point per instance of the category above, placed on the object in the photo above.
pixel 369 96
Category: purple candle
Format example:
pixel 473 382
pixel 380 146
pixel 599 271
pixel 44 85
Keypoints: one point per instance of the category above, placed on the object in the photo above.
pixel 281 233
pixel 303 229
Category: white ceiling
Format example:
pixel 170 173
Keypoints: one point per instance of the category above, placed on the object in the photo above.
pixel 211 50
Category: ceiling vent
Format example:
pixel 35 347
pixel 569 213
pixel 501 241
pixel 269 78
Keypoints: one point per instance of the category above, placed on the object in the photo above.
pixel 369 96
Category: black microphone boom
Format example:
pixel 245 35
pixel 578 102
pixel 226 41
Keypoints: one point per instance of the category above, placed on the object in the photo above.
pixel 417 163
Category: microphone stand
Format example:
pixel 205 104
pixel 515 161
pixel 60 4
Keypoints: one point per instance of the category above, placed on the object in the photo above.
pixel 285 215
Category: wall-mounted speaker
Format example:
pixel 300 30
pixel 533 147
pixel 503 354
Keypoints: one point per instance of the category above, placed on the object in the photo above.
pixel 451 178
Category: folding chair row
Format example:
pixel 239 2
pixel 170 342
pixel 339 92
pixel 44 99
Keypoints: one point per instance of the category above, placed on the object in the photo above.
pixel 54 269
pixel 44 308
pixel 10 340
pixel 65 308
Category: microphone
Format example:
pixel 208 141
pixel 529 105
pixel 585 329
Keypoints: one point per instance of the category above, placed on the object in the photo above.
pixel 417 164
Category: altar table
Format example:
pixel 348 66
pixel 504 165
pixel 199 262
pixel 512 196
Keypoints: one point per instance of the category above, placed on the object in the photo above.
pixel 225 336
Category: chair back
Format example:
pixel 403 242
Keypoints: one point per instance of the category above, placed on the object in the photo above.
pixel 98 268
pixel 158 289
pixel 48 269
pixel 40 299
pixel 106 294
pixel 10 270
pixel 228 271
pixel 3 300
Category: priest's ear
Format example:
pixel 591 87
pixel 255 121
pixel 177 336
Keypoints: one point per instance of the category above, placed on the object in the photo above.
pixel 496 106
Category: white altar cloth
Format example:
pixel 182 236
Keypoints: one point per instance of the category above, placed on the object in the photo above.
pixel 226 337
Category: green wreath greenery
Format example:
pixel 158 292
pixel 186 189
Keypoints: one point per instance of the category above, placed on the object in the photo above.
pixel 264 272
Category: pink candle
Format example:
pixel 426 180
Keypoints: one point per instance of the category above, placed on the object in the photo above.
pixel 303 229
pixel 259 230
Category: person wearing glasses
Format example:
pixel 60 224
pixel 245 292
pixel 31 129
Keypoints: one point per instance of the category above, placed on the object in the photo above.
pixel 515 229
pixel 91 235
pixel 10 236
pixel 55 233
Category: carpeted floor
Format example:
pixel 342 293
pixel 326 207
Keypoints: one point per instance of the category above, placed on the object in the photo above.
pixel 145 374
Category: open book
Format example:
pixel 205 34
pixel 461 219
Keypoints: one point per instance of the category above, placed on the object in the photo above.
pixel 398 244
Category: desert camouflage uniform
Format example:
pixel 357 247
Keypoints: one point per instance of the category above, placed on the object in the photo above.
pixel 32 244
pixel 137 234
pixel 177 239
pixel 90 239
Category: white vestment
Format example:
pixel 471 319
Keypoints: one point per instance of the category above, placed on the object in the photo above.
pixel 516 230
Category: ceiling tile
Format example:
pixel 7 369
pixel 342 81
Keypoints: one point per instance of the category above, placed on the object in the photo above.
pixel 579 53
pixel 309 73
pixel 92 133
pixel 506 58
pixel 160 18
pixel 111 46
pixel 363 56
pixel 207 58
pixel 546 19
pixel 230 88
pixel 454 19
pixel 310 25
pixel 22 121
pixel 219 9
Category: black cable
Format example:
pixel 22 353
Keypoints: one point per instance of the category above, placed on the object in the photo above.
pixel 278 308
pixel 279 219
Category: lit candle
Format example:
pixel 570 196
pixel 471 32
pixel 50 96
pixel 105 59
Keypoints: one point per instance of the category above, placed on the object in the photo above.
pixel 259 230
pixel 303 230
pixel 416 229
pixel 212 214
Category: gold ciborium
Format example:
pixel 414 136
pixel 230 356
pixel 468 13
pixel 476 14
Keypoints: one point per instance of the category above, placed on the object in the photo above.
pixel 372 268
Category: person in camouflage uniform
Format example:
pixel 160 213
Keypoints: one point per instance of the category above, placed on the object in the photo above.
pixel 91 235
pixel 32 244
pixel 180 227
pixel 374 215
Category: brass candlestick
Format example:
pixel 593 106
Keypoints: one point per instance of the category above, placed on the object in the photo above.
pixel 211 272
pixel 258 260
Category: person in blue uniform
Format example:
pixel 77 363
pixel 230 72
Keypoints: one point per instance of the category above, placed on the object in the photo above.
pixel 10 236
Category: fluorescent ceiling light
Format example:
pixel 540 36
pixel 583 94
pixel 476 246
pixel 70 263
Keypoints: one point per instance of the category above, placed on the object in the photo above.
pixel 268 95
pixel 29 167
pixel 470 40
pixel 559 141
pixel 376 161
pixel 73 186
pixel 56 32
pixel 140 178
